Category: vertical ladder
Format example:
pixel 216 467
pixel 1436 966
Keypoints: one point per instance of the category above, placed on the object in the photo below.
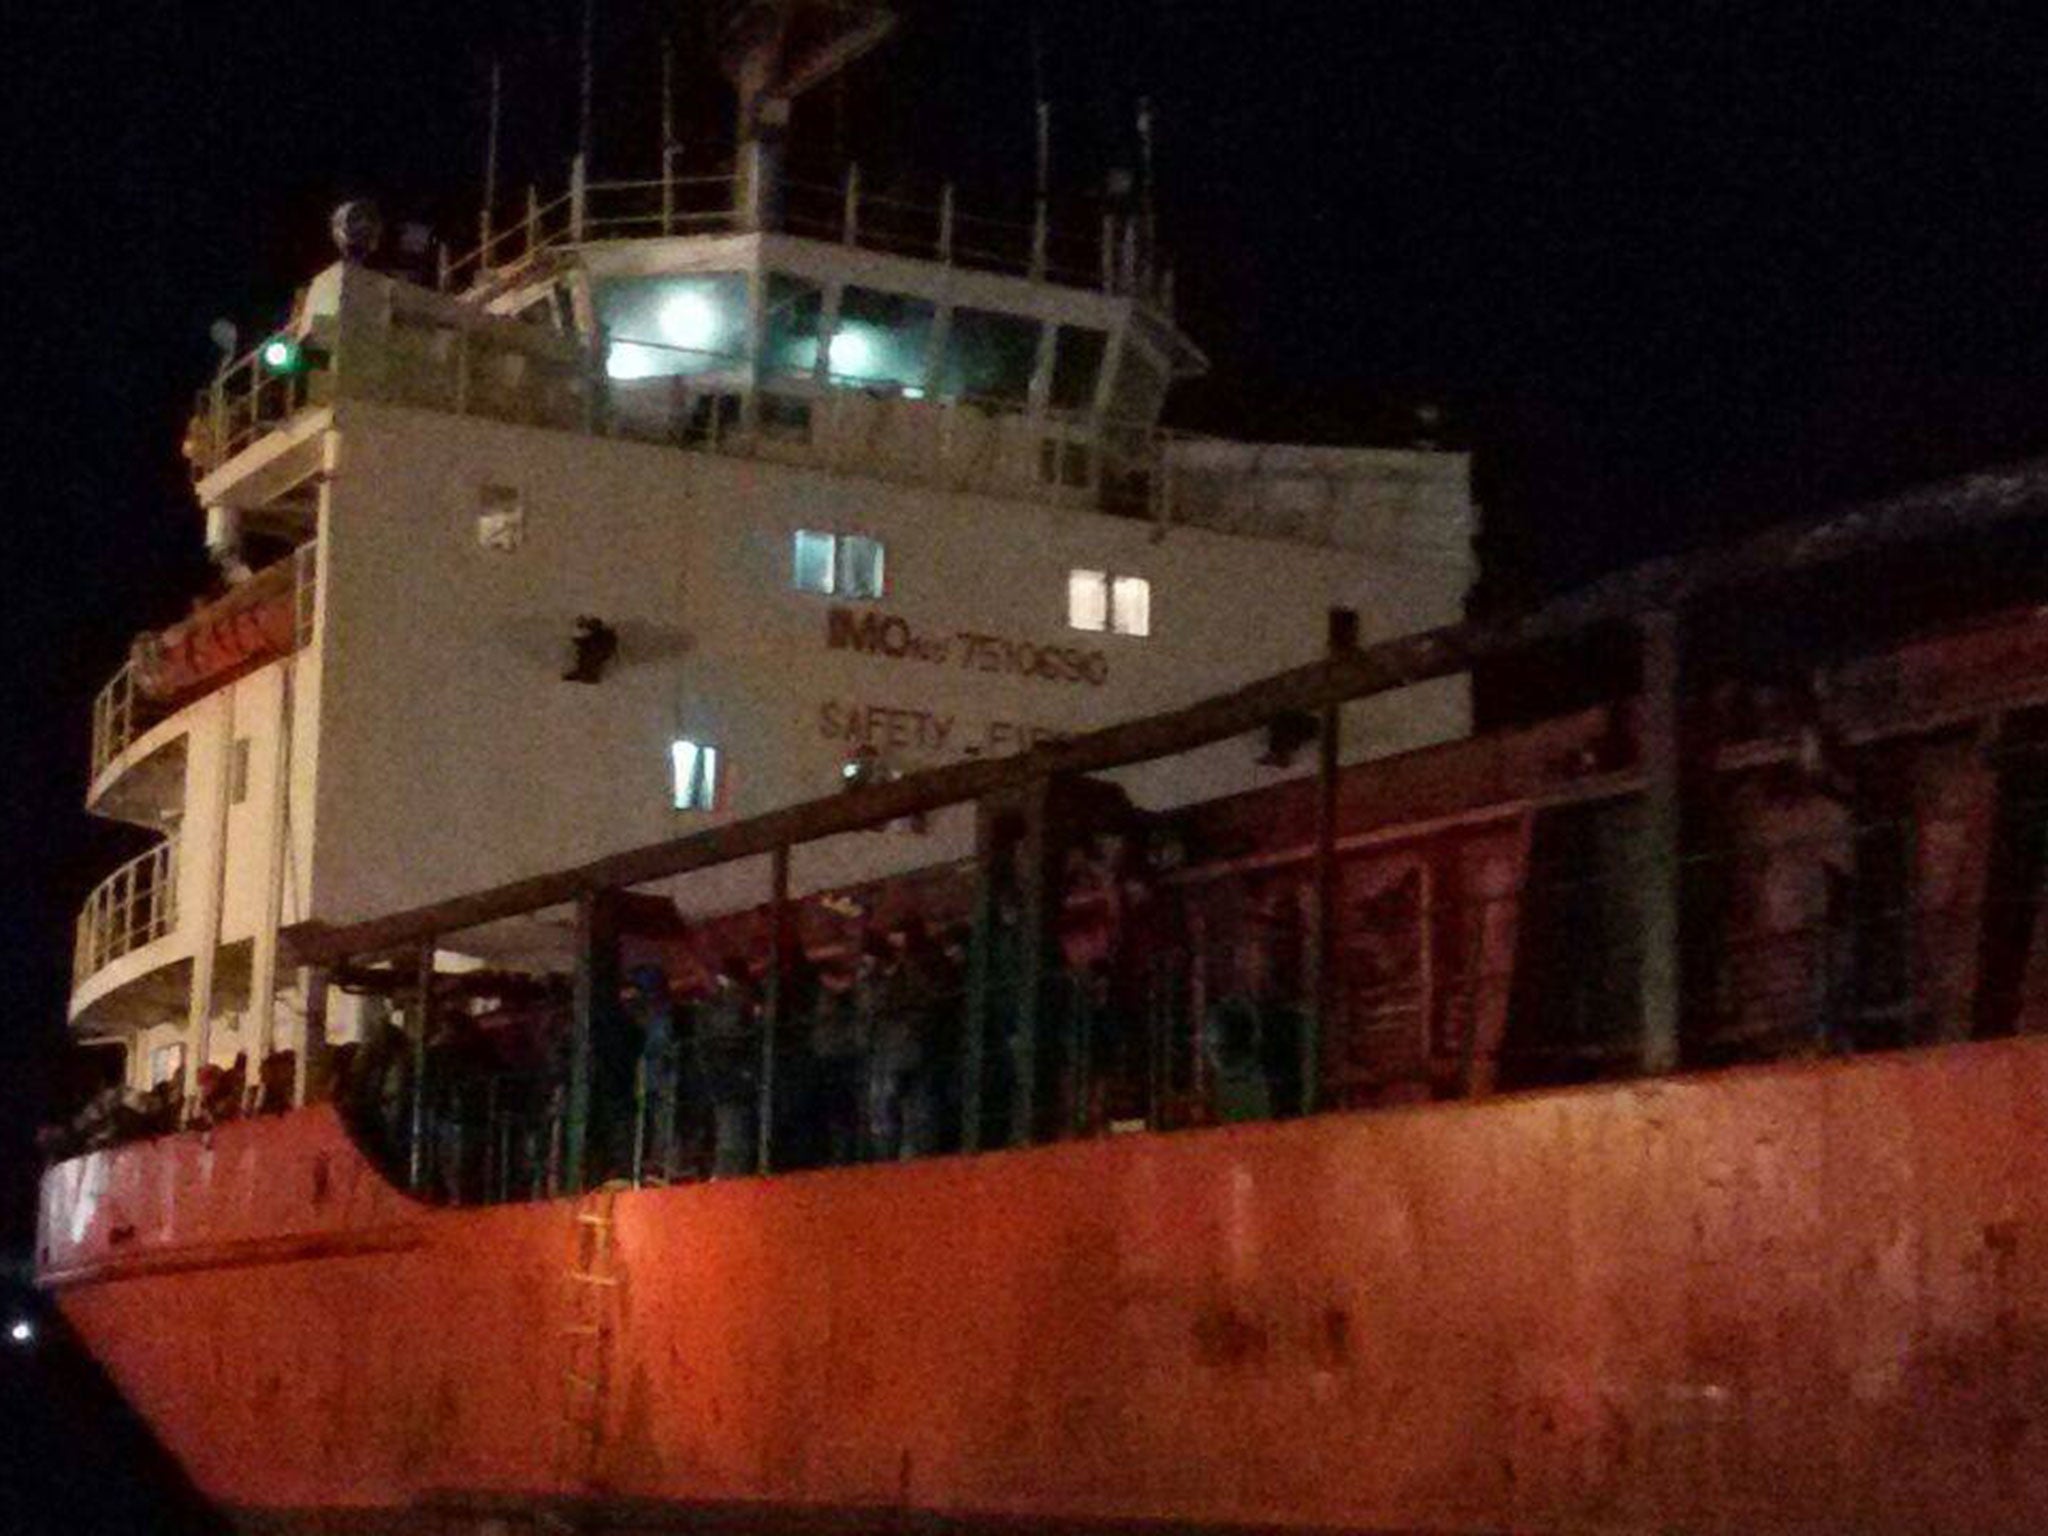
pixel 593 1280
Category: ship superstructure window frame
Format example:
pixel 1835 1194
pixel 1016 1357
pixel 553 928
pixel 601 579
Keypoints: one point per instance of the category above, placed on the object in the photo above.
pixel 850 566
pixel 1109 603
pixel 693 768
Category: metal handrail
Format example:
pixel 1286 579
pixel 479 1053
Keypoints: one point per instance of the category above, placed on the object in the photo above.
pixel 637 209
pixel 120 713
pixel 135 905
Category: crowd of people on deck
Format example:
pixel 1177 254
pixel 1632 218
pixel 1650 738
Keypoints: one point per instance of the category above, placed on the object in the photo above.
pixel 869 1062
pixel 115 1112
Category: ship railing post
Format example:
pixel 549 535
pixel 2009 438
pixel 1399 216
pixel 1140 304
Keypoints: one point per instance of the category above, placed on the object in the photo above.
pixel 464 341
pixel 640 1122
pixel 579 199
pixel 781 938
pixel 422 1025
pixel 596 993
pixel 309 1076
pixel 850 225
pixel 218 451
pixel 1323 949
pixel 1659 871
pixel 980 955
pixel 1040 889
pixel 1039 233
pixel 1108 252
pixel 946 224
pixel 533 236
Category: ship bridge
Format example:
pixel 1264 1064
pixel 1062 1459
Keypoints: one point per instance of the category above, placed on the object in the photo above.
pixel 899 338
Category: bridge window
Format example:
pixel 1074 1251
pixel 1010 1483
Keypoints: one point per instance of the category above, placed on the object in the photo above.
pixel 1100 602
pixel 989 357
pixel 796 309
pixel 1076 367
pixel 880 338
pixel 696 775
pixel 662 327
pixel 837 564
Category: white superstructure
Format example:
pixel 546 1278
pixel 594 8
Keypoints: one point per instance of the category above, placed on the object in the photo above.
pixel 852 488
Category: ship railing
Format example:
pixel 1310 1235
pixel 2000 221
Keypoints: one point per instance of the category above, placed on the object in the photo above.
pixel 121 712
pixel 134 906
pixel 1076 252
pixel 1462 967
pixel 426 353
pixel 1213 1029
pixel 250 398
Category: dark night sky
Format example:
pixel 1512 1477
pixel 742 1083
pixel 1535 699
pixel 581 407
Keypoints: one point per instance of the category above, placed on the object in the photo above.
pixel 1677 269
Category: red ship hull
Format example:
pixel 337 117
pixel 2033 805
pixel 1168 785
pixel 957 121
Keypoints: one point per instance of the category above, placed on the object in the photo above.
pixel 1808 1297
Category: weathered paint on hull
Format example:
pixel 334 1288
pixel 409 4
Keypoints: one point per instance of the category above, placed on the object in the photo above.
pixel 1800 1298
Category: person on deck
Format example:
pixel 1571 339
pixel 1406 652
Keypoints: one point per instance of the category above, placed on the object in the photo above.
pixel 728 1055
pixel 651 1007
pixel 838 1070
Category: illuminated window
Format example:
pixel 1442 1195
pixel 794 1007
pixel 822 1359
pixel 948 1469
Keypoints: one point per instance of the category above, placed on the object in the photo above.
pixel 662 327
pixel 1088 600
pixel 837 564
pixel 1130 605
pixel 166 1063
pixel 1100 602
pixel 880 339
pixel 696 775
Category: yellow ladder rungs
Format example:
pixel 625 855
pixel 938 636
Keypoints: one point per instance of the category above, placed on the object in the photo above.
pixel 585 1277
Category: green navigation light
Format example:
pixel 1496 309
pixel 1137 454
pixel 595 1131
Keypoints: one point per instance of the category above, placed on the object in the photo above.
pixel 281 354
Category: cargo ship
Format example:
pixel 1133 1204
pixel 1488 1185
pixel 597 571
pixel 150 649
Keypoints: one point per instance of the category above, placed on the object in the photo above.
pixel 776 911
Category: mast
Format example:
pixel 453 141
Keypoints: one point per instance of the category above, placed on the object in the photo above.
pixel 773 51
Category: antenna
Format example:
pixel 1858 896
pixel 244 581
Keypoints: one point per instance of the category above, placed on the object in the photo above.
pixel 1147 218
pixel 668 133
pixel 773 51
pixel 491 154
pixel 588 80
pixel 1044 110
pixel 668 100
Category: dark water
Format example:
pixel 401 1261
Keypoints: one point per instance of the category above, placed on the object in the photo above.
pixel 74 1461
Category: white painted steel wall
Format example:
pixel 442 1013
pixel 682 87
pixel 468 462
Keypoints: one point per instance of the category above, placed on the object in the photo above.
pixel 452 756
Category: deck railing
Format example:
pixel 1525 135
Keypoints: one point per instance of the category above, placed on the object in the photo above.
pixel 120 713
pixel 434 355
pixel 1102 256
pixel 136 905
